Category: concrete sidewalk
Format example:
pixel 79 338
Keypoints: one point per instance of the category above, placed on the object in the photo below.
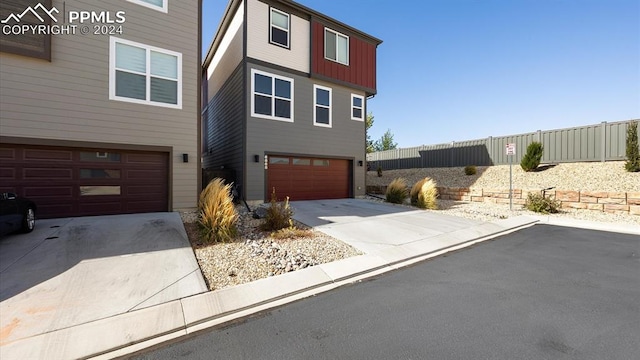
pixel 135 330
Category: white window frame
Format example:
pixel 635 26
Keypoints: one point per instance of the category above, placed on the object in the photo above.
pixel 273 96
pixel 356 96
pixel 288 31
pixel 315 104
pixel 164 8
pixel 112 73
pixel 325 45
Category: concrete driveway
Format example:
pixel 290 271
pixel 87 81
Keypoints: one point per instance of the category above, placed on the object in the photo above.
pixel 73 271
pixel 371 226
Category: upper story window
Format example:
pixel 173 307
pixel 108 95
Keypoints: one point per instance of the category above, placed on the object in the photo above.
pixel 14 15
pixel 322 101
pixel 144 74
pixel 336 46
pixel 357 107
pixel 279 28
pixel 160 5
pixel 271 96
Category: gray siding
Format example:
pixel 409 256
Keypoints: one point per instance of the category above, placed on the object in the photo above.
pixel 224 120
pixel 345 139
pixel 67 100
pixel 598 142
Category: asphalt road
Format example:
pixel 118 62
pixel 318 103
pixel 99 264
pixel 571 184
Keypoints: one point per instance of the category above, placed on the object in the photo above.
pixel 545 292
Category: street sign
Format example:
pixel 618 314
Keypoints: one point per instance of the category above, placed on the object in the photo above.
pixel 511 149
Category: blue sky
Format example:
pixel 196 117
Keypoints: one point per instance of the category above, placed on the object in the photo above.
pixel 453 70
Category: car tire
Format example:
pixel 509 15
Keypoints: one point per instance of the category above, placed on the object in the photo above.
pixel 29 220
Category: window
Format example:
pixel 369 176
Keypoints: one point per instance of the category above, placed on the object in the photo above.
pixel 357 107
pixel 278 160
pixel 320 162
pixel 272 96
pixel 160 5
pixel 144 74
pixel 279 32
pixel 336 46
pixel 26 43
pixel 322 101
pixel 301 161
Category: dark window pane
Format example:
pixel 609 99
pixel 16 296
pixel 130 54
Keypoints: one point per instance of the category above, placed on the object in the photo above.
pixel 262 105
pixel 357 102
pixel 278 160
pixel 131 85
pixel 283 108
pixel 164 91
pixel 322 115
pixel 301 161
pixel 263 84
pixel 99 174
pixel 99 156
pixel 357 113
pixel 330 45
pixel 279 36
pixel 99 190
pixel 283 89
pixel 322 97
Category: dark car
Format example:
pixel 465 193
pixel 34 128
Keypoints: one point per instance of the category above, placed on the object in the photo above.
pixel 16 214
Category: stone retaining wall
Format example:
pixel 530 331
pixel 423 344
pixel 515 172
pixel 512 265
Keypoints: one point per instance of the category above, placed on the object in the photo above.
pixel 610 202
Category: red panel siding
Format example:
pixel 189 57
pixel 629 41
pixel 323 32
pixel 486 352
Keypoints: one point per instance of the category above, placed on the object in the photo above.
pixel 362 60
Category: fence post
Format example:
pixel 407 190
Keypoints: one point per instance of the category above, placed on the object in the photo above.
pixel 539 136
pixel 451 164
pixel 490 150
pixel 604 141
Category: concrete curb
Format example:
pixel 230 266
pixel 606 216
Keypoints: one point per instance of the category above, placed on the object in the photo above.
pixel 127 333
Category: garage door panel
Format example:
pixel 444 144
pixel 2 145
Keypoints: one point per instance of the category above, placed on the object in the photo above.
pixel 145 191
pixel 151 175
pixel 60 192
pixel 7 154
pixel 6 173
pixel 48 154
pixel 47 173
pixel 153 159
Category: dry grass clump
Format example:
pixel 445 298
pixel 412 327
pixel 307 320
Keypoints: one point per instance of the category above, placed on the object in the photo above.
pixel 291 232
pixel 397 191
pixel 217 215
pixel 278 214
pixel 424 194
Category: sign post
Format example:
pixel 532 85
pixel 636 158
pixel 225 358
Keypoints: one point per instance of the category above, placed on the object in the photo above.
pixel 511 152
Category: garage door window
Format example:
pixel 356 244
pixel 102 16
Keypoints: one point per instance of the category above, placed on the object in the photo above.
pixel 99 156
pixel 278 160
pixel 99 174
pixel 301 162
pixel 320 162
pixel 99 190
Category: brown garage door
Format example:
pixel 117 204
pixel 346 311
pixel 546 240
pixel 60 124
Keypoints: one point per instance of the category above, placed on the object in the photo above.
pixel 76 182
pixel 303 178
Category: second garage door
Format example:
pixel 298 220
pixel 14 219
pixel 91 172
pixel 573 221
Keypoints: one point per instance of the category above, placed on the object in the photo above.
pixel 306 178
pixel 67 182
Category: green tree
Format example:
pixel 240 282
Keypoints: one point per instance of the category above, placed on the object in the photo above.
pixel 385 142
pixel 633 154
pixel 368 123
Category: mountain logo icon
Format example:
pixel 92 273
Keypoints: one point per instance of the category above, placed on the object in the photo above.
pixel 33 11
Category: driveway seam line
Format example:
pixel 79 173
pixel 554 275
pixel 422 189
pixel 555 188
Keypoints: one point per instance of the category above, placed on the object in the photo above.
pixel 161 290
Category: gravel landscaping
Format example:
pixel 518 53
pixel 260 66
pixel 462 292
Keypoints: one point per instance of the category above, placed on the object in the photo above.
pixel 255 254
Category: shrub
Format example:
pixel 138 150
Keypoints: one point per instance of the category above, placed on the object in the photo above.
pixel 397 191
pixel 379 171
pixel 541 204
pixel 278 214
pixel 531 159
pixel 633 154
pixel 470 170
pixel 291 233
pixel 217 214
pixel 424 194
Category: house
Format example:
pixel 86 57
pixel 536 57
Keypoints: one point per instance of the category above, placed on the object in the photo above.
pixel 100 105
pixel 284 95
